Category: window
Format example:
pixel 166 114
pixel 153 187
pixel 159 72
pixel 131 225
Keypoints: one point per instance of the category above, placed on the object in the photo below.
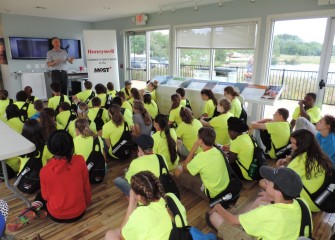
pixel 221 52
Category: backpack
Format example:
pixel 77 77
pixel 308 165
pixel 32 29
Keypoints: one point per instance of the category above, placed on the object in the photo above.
pixel 109 99
pixel 28 180
pixel 96 164
pixel 98 120
pixel 72 117
pixel 123 148
pixel 92 95
pixel 166 179
pixel 232 192
pixel 258 159
pixel 180 230
pixel 324 197
pixel 24 112
pixel 188 104
pixel 31 99
pixel 305 219
pixel 244 115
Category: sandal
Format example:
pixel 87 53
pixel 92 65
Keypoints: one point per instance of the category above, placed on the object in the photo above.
pixel 24 218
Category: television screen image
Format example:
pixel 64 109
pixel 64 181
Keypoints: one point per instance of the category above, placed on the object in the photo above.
pixel 3 56
pixel 29 48
pixel 72 46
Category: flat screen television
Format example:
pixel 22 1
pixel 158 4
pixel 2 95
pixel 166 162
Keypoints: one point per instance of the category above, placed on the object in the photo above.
pixel 37 48
pixel 28 48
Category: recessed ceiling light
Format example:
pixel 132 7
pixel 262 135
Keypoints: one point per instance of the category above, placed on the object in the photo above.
pixel 107 8
pixel 40 7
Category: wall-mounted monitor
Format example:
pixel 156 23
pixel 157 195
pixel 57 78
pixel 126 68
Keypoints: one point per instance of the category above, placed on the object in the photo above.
pixel 28 48
pixel 37 48
pixel 72 46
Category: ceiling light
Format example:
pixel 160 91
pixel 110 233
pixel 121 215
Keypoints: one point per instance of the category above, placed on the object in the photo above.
pixel 160 11
pixel 220 3
pixel 195 8
pixel 39 7
pixel 173 9
pixel 252 1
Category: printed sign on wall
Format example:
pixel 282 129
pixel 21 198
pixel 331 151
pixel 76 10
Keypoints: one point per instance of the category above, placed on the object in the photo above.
pixel 101 57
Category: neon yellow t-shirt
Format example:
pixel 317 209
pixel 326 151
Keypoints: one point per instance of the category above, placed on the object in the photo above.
pixel 54 101
pixel 63 117
pixel 236 107
pixel 244 148
pixel 161 147
pixel 112 93
pixel 174 115
pixel 31 110
pixel 142 223
pixel 127 105
pixel 144 163
pixel 212 169
pixel 14 163
pixel 152 109
pixel 93 112
pixel 314 113
pixel 220 125
pixel 273 222
pixel 84 145
pixel 72 128
pixel 83 96
pixel 312 185
pixel 3 106
pixel 15 124
pixel 153 95
pixel 102 97
pixel 209 108
pixel 113 133
pixel 188 133
pixel 280 135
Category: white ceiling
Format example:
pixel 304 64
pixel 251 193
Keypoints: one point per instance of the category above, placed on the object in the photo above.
pixel 94 10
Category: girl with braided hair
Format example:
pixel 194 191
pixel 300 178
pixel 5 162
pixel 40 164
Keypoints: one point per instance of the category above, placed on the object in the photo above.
pixel 146 208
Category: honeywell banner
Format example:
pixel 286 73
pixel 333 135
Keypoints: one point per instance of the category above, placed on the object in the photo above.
pixel 101 57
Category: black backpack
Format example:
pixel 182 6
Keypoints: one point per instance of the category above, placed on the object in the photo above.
pixel 188 104
pixel 96 164
pixel 123 148
pixel 244 115
pixel 24 112
pixel 233 189
pixel 305 219
pixel 31 99
pixel 166 179
pixel 72 117
pixel 326 192
pixel 92 95
pixel 109 99
pixel 98 120
pixel 177 233
pixel 28 180
pixel 259 159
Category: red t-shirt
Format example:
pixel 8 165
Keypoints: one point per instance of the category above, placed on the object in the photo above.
pixel 66 187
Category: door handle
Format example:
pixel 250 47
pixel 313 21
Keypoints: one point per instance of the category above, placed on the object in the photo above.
pixel 322 84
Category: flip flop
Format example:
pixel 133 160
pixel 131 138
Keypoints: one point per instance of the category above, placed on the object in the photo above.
pixel 24 218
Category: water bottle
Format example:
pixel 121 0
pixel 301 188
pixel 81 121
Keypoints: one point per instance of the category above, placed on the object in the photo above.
pixel 325 194
pixel 223 199
pixel 253 168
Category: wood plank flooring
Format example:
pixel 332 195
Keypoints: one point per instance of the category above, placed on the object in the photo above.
pixel 109 206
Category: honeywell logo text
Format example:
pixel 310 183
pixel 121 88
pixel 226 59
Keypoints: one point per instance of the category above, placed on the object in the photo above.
pixel 103 51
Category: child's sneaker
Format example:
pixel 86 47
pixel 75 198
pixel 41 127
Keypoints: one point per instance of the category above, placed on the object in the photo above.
pixel 24 218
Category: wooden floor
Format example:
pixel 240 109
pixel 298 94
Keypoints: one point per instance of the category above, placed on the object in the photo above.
pixel 109 206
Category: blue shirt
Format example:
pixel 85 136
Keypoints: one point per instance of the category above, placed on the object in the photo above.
pixel 328 145
pixel 36 116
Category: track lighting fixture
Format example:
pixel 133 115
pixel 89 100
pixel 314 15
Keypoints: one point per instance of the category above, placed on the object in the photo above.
pixel 195 8
pixel 220 3
pixel 173 8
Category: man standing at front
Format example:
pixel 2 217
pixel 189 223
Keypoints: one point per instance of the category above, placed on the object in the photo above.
pixel 56 61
